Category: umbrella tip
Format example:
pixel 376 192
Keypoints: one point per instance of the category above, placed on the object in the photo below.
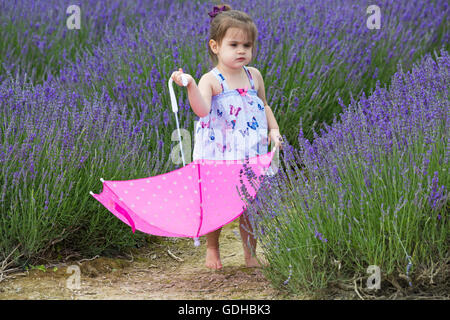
pixel 91 193
pixel 101 179
pixel 196 242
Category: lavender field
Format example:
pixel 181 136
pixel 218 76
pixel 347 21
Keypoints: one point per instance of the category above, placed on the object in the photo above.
pixel 365 114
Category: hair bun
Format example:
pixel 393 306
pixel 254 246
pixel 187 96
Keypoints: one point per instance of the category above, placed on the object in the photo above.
pixel 218 9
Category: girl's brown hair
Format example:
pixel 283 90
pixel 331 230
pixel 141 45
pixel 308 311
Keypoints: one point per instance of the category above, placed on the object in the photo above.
pixel 231 19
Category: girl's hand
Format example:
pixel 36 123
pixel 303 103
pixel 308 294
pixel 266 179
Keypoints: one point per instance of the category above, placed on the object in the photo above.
pixel 275 136
pixel 176 77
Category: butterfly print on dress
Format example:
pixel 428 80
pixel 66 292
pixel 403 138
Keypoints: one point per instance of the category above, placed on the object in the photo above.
pixel 244 132
pixel 222 147
pixel 206 125
pixel 234 111
pixel 254 124
pixel 242 92
pixel 233 122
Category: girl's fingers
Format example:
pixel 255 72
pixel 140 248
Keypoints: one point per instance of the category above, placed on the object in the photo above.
pixel 176 76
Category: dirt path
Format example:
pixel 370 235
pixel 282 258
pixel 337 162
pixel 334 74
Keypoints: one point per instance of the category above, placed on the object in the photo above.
pixel 151 273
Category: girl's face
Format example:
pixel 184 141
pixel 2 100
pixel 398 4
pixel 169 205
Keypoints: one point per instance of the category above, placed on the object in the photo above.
pixel 235 50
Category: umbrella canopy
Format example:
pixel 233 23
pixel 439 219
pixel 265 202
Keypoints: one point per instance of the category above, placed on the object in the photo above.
pixel 188 202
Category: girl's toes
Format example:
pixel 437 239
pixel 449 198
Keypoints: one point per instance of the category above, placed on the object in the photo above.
pixel 213 259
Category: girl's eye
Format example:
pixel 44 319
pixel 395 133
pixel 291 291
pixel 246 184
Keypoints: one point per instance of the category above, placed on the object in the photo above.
pixel 245 45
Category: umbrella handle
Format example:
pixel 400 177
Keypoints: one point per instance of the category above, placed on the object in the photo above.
pixel 173 100
pixel 174 103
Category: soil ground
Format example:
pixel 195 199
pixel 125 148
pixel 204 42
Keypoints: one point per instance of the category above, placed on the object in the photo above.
pixel 173 268
pixel 169 269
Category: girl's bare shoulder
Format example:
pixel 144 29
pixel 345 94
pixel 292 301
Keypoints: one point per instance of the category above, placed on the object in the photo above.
pixel 212 80
pixel 208 82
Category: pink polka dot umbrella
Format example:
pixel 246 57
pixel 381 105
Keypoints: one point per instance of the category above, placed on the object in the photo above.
pixel 188 202
pixel 191 201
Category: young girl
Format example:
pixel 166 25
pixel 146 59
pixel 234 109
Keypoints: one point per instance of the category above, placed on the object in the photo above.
pixel 231 103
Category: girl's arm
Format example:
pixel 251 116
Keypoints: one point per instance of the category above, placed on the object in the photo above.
pixel 199 96
pixel 271 121
pixel 274 130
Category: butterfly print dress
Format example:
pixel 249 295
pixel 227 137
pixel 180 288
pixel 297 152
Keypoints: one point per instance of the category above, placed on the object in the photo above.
pixel 236 126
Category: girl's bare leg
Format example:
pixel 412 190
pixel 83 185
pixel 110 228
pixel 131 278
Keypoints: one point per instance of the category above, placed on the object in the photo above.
pixel 248 241
pixel 212 250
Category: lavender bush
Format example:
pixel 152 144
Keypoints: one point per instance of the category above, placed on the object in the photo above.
pixel 36 41
pixel 373 189
pixel 76 105
pixel 325 51
pixel 52 157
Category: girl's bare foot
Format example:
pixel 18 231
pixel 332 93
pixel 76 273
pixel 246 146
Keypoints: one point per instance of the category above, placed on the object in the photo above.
pixel 252 262
pixel 213 258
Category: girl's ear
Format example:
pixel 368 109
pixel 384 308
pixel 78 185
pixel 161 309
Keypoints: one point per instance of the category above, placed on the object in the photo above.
pixel 213 45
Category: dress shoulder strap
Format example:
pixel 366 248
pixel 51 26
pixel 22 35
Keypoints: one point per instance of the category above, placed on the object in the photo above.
pixel 221 79
pixel 249 75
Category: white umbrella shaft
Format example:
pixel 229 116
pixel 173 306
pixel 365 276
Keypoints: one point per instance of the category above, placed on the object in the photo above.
pixel 174 103
pixel 179 138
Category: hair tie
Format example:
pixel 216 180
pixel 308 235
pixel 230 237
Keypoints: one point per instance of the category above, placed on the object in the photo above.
pixel 216 11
